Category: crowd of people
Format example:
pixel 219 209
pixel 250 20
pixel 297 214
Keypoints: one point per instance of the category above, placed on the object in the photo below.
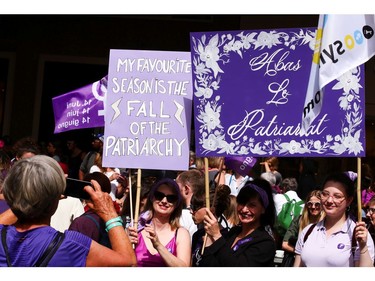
pixel 168 219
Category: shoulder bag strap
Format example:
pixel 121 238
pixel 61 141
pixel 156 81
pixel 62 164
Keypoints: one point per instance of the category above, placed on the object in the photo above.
pixel 354 242
pixel 308 232
pixel 5 246
pixel 51 250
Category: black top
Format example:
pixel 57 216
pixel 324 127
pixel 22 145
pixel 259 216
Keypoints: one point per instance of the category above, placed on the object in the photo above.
pixel 257 250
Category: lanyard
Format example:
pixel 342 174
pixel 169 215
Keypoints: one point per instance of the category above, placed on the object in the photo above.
pixel 241 242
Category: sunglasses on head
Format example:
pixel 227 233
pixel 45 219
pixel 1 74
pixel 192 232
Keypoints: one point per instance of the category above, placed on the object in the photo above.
pixel 313 204
pixel 171 198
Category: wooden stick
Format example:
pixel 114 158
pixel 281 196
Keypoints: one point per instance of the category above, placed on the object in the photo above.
pixel 130 194
pixel 207 186
pixel 359 177
pixel 138 198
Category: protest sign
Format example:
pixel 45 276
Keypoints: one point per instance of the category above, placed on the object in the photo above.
pixel 148 113
pixel 80 109
pixel 250 86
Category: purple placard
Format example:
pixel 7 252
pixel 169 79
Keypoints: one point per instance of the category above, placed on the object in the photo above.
pixel 249 91
pixel 148 113
pixel 240 164
pixel 81 108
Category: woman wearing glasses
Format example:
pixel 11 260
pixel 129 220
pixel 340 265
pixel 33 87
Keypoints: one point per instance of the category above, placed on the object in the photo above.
pixel 337 240
pixel 370 217
pixel 312 213
pixel 160 241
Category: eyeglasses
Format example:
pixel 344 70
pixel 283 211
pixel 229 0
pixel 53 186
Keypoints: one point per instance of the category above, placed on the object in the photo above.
pixel 371 211
pixel 337 198
pixel 313 204
pixel 171 198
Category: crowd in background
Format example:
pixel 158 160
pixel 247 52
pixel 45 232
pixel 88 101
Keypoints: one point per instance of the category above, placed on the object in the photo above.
pixel 176 222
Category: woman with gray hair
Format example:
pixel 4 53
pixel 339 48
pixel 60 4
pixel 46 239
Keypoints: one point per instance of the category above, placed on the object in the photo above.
pixel 32 189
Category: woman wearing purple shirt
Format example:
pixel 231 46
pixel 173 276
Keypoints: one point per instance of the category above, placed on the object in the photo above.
pixel 337 240
pixel 32 189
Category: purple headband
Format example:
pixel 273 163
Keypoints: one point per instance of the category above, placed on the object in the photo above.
pixel 263 195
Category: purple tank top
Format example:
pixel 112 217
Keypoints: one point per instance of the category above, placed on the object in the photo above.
pixel 25 248
pixel 146 259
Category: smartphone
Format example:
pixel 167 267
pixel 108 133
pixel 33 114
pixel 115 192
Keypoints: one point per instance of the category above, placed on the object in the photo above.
pixel 74 188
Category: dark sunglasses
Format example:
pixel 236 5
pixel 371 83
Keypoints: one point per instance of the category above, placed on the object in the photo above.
pixel 171 198
pixel 312 204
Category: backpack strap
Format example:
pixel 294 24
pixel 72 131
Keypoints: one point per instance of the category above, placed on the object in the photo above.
pixel 51 250
pixel 286 197
pixel 93 219
pixel 308 232
pixel 100 229
pixel 47 255
pixel 5 246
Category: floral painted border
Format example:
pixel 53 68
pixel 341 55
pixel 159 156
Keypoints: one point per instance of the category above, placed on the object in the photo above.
pixel 209 55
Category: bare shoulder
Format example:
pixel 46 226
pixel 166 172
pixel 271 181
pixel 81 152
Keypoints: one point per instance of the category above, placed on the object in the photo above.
pixel 183 233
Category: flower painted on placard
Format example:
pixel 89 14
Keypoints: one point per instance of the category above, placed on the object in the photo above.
pixel 210 54
pixel 204 92
pixel 211 143
pixel 267 39
pixel 210 118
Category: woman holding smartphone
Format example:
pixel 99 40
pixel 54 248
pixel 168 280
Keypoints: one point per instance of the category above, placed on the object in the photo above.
pixel 33 189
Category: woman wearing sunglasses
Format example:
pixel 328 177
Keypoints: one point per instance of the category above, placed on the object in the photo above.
pixel 250 243
pixel 159 240
pixel 311 213
pixel 337 240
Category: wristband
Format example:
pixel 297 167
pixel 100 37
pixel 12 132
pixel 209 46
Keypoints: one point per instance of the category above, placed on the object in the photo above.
pixel 116 219
pixel 112 225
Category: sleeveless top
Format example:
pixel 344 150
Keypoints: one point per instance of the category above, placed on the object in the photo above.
pixel 146 259
pixel 26 247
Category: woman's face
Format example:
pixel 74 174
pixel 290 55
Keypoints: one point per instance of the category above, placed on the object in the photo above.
pixel 197 214
pixel 314 206
pixel 165 200
pixel 334 199
pixel 250 212
pixel 371 213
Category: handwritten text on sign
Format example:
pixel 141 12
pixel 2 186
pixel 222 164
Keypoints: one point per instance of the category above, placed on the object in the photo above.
pixel 249 92
pixel 149 109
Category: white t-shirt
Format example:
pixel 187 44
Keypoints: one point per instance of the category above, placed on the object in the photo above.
pixel 234 184
pixel 67 210
pixel 279 199
pixel 186 220
pixel 114 183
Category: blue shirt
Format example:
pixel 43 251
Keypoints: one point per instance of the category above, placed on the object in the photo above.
pixel 26 247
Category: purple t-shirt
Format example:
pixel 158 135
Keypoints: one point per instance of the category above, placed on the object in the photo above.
pixel 3 206
pixel 26 247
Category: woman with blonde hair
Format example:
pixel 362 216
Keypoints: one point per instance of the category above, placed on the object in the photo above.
pixel 312 213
